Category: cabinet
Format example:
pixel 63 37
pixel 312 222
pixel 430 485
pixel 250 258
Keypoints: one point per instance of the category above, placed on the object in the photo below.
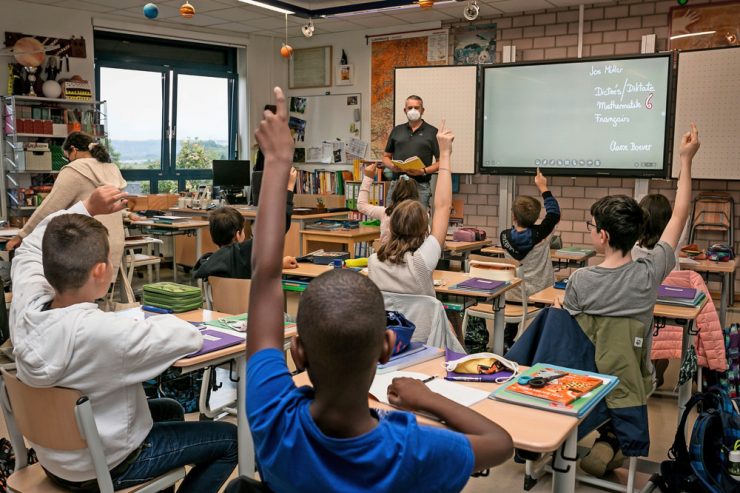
pixel 33 130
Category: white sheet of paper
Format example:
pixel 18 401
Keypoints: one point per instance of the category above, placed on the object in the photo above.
pixel 466 396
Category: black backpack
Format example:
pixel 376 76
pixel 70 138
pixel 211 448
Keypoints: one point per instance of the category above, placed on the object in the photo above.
pixel 702 467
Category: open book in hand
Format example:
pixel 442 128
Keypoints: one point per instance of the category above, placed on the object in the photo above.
pixel 412 163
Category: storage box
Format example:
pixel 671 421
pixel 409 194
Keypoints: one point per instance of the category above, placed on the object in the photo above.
pixel 37 157
pixel 59 130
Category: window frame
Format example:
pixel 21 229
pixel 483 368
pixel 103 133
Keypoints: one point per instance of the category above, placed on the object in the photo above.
pixel 170 70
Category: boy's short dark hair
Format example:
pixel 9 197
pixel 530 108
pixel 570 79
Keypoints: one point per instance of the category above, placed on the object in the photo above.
pixel 224 223
pixel 341 321
pixel 72 245
pixel 526 211
pixel 622 217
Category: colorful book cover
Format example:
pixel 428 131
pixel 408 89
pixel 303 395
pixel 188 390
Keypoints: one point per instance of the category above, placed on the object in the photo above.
pixel 563 390
pixel 578 407
pixel 676 292
pixel 479 284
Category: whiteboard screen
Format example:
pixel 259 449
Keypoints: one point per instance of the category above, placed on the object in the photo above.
pixel 707 93
pixel 598 116
pixel 449 93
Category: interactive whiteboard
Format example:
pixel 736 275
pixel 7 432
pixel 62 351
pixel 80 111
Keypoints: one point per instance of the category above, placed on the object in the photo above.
pixel 582 117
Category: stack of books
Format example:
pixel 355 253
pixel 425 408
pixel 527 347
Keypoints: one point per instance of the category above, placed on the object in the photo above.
pixel 169 219
pixel 672 295
pixel 416 353
pixel 481 285
pixel 574 392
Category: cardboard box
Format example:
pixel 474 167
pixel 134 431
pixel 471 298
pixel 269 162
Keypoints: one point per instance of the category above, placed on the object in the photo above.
pixel 37 157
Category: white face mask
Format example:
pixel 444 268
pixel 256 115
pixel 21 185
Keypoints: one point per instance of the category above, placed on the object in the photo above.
pixel 413 115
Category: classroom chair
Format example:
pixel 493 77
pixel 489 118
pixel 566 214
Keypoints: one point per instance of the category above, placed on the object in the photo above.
pixel 227 295
pixel 499 269
pixel 148 258
pixel 61 419
pixel 428 314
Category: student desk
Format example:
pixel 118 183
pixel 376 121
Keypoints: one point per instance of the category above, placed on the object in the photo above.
pixel 531 429
pixel 724 269
pixel 662 315
pixel 238 353
pixel 561 260
pixel 177 228
pixel 444 280
pixel 313 239
pixel 462 249
pixel 292 237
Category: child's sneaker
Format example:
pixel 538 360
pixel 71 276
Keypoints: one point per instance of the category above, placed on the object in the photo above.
pixel 601 458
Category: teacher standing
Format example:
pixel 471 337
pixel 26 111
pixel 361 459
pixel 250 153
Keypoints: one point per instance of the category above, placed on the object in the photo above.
pixel 415 138
pixel 89 168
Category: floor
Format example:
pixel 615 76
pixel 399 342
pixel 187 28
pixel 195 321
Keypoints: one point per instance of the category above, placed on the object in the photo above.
pixel 662 412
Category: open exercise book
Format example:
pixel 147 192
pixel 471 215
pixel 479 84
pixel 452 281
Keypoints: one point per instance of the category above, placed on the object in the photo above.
pixel 466 396
pixel 573 393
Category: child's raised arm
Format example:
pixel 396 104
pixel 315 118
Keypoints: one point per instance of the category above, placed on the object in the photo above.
pixel 689 145
pixel 443 190
pixel 266 293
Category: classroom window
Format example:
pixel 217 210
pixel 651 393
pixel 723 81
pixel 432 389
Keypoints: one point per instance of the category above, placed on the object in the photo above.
pixel 171 107
pixel 135 124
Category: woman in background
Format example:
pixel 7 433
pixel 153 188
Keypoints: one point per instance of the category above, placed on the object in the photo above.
pixel 89 168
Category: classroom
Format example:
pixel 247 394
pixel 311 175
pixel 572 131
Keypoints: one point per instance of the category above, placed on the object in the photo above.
pixel 532 200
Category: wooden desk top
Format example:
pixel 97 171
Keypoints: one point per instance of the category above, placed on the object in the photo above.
pixel 201 315
pixel 531 429
pixel 465 246
pixel 307 269
pixel 708 265
pixel 450 279
pixel 547 297
pixel 345 233
pixel 575 257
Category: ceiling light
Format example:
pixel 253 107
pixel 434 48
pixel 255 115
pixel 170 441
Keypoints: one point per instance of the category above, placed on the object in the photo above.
pixel 703 33
pixel 471 11
pixel 308 28
pixel 268 6
pixel 383 9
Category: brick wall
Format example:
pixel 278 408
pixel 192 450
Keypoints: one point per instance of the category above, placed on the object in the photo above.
pixel 613 29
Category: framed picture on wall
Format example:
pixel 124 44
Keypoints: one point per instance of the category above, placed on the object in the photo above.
pixel 310 67
pixel 345 75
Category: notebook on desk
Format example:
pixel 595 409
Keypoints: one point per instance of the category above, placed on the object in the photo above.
pixel 213 340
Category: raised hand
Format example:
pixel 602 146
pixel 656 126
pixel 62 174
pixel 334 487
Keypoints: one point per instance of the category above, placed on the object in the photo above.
pixel 273 134
pixel 689 143
pixel 105 200
pixel 370 169
pixel 444 139
pixel 541 181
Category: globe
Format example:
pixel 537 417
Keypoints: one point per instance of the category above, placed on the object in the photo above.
pixel 29 52
pixel 151 11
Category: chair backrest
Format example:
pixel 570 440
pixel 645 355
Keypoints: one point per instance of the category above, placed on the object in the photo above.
pixel 713 212
pixel 45 416
pixel 428 314
pixel 229 295
pixel 496 269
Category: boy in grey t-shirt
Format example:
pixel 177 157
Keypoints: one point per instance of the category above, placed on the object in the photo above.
pixel 619 286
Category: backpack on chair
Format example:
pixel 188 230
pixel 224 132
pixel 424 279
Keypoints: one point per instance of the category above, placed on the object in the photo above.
pixel 702 467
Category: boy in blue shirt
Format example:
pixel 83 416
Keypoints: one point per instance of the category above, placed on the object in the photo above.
pixel 326 438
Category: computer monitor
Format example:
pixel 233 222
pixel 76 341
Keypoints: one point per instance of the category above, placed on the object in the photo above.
pixel 256 185
pixel 232 174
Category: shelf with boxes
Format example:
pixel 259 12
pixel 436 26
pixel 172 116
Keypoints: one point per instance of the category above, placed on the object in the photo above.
pixel 33 130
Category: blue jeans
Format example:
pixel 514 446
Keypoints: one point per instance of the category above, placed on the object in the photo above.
pixel 209 446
